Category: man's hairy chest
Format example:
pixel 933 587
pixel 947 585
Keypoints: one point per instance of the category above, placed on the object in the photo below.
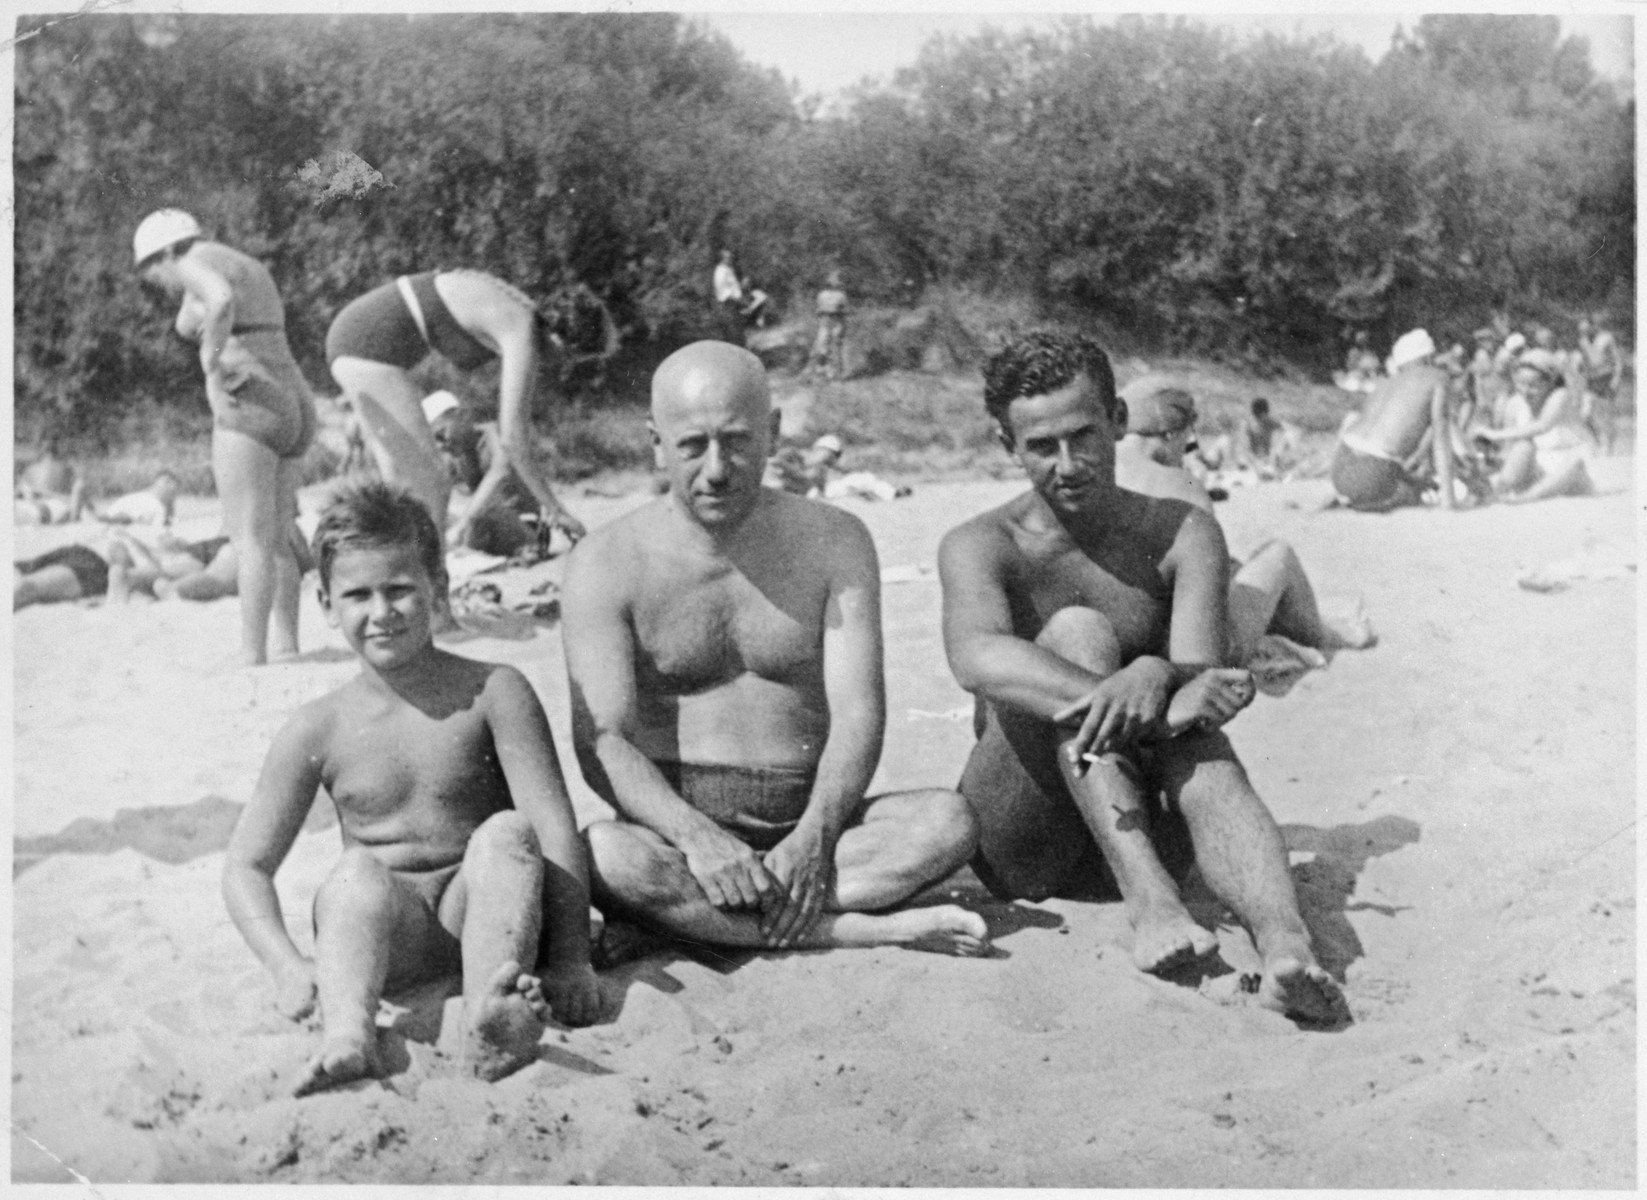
pixel 699 633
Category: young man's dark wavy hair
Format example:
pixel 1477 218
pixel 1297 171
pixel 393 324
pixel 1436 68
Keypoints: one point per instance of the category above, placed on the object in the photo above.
pixel 1044 361
pixel 375 515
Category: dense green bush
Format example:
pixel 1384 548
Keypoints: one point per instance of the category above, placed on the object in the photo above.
pixel 1175 186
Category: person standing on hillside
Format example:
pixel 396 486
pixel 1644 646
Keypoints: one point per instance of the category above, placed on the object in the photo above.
pixel 729 298
pixel 470 318
pixel 263 413
pixel 829 348
pixel 1602 364
pixel 1379 463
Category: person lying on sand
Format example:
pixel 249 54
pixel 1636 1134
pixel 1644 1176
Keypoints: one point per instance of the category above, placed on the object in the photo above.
pixel 816 473
pixel 65 573
pixel 1380 460
pixel 203 570
pixel 1090 624
pixel 459 848
pixel 1269 593
pixel 723 644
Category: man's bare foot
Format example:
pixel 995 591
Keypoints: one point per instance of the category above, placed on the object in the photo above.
pixel 1166 937
pixel 504 1025
pixel 1301 989
pixel 251 658
pixel 1210 699
pixel 945 929
pixel 341 1060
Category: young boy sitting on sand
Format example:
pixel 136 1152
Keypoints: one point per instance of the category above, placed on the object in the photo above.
pixel 459 846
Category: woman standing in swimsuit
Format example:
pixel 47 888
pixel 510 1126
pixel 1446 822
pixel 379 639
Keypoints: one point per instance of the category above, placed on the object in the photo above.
pixel 470 318
pixel 263 414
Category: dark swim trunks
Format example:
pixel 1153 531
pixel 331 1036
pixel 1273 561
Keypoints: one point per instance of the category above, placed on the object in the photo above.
pixel 380 327
pixel 446 337
pixel 758 805
pixel 1369 483
pixel 89 569
pixel 204 552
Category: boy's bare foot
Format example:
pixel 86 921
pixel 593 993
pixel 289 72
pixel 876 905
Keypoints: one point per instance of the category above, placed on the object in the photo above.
pixel 341 1060
pixel 1301 989
pixel 1166 936
pixel 944 929
pixel 505 1024
pixel 1210 699
pixel 295 995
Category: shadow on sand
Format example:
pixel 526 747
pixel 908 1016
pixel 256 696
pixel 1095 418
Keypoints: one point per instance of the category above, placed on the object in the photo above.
pixel 1326 883
pixel 170 833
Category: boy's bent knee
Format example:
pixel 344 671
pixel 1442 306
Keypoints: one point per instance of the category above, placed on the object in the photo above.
pixel 1082 635
pixel 357 878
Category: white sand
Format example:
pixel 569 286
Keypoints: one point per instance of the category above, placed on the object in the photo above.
pixel 1459 801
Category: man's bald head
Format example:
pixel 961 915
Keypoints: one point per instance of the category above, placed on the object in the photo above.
pixel 710 370
pixel 712 429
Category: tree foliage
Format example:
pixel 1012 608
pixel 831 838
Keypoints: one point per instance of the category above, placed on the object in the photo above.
pixel 1208 192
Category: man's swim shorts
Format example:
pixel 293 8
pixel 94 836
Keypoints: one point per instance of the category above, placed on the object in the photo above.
pixel 758 805
pixel 1368 482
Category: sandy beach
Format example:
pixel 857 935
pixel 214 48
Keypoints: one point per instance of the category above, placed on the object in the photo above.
pixel 1459 802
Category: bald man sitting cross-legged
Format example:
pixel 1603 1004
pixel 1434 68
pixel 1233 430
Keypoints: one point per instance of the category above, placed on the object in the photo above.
pixel 724 649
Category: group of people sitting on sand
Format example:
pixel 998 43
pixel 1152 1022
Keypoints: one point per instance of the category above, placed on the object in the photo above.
pixel 724 656
pixel 1519 423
